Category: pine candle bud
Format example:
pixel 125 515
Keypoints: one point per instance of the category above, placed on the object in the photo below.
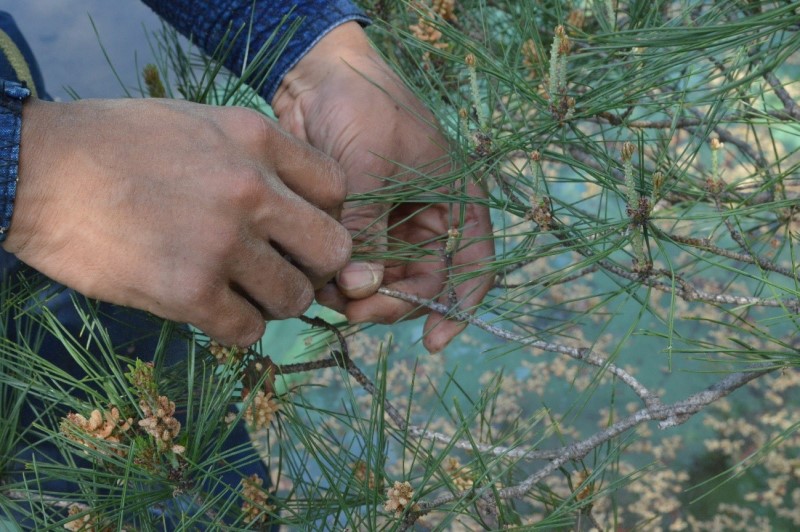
pixel 588 489
pixel 538 177
pixel 658 181
pixel 628 149
pixel 471 61
pixel 561 106
pixel 453 234
pixel 564 44
pixel 463 124
pixel 716 177
pixel 152 80
pixel 634 208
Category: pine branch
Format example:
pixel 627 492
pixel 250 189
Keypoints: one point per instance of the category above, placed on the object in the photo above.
pixel 47 500
pixel 688 292
pixel 706 245
pixel 582 354
pixel 500 282
pixel 668 416
pixel 789 105
pixel 342 359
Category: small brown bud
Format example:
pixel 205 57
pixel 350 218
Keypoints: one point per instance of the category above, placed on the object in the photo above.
pixel 658 180
pixel 628 149
pixel 536 156
pixel 453 234
pixel 470 60
pixel 588 490
pixel 716 144
pixel 565 46
pixel 152 80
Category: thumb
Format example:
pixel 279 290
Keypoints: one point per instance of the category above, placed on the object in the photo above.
pixel 363 275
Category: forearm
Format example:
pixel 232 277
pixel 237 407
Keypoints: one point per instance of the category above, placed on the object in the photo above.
pixel 207 23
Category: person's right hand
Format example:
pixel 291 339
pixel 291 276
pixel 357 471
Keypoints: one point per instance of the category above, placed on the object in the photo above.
pixel 205 215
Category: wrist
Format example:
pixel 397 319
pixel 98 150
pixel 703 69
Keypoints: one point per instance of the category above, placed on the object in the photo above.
pixel 342 46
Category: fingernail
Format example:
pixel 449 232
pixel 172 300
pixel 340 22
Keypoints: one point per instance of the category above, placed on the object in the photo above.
pixel 360 279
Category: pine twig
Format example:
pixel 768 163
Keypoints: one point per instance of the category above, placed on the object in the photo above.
pixel 582 354
pixel 536 282
pixel 687 292
pixel 344 361
pixel 668 416
pixel 706 245
pixel 789 105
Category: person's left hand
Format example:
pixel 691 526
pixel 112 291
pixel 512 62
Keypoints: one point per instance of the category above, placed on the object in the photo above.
pixel 343 99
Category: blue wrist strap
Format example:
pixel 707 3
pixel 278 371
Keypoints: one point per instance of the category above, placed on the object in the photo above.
pixel 11 98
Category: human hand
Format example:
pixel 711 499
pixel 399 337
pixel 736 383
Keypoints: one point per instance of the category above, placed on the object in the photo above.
pixel 206 215
pixel 343 99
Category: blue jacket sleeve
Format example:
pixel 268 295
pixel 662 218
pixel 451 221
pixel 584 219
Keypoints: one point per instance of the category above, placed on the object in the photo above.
pixel 207 23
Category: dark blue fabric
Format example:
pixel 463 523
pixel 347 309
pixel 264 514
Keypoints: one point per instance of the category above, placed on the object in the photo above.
pixel 9 136
pixel 206 23
pixel 12 94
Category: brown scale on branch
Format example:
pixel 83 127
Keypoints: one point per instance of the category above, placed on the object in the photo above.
pixel 640 215
pixel 541 214
pixel 483 145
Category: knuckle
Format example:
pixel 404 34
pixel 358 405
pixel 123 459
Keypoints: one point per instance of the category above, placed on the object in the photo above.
pixel 334 184
pixel 223 249
pixel 255 127
pixel 199 292
pixel 234 325
pixel 341 246
pixel 248 329
pixel 298 298
pixel 247 187
pixel 302 298
pixel 337 183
